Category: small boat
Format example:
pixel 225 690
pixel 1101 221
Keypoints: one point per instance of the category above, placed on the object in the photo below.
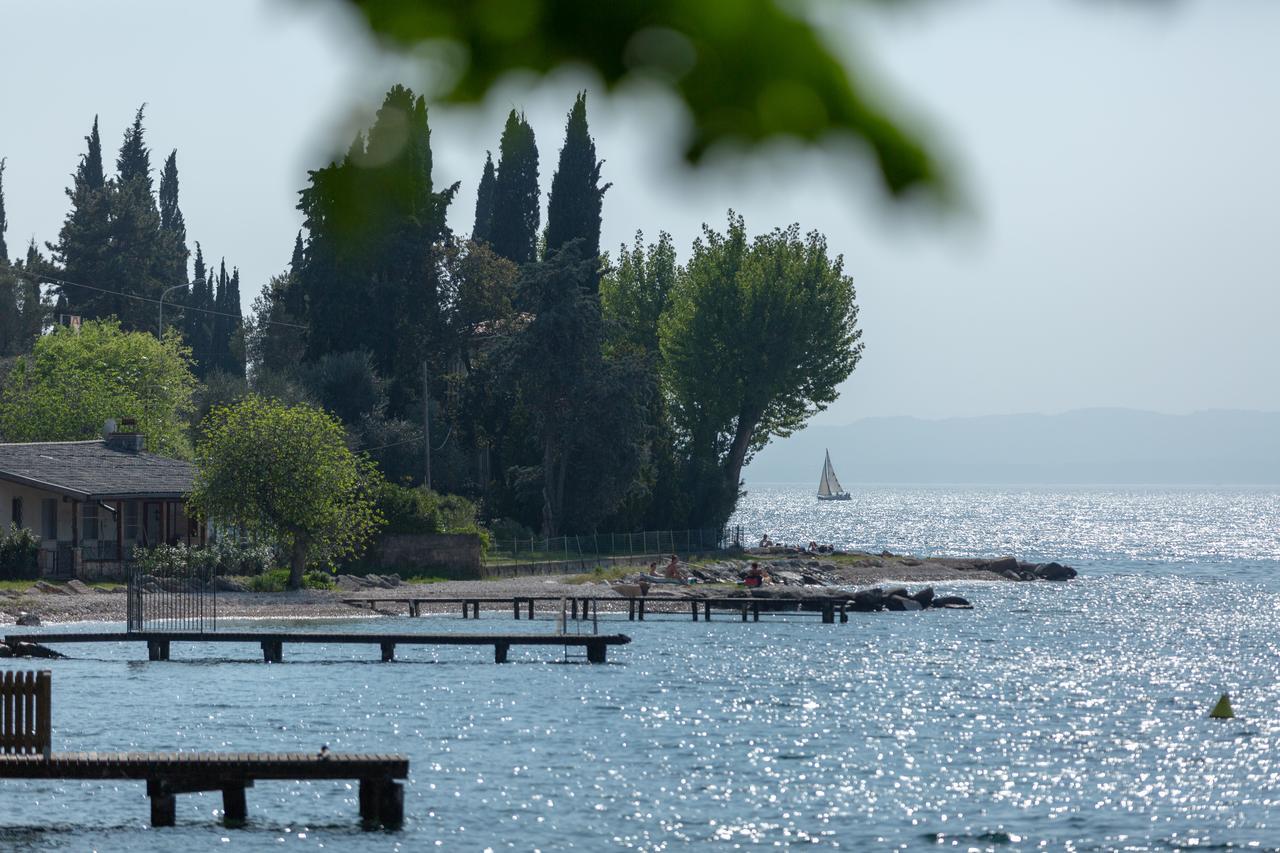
pixel 829 487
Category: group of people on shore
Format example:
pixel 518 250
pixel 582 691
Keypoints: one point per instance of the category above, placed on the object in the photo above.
pixel 674 573
pixel 812 548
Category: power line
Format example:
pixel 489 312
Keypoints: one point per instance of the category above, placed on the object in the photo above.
pixel 64 283
pixel 414 440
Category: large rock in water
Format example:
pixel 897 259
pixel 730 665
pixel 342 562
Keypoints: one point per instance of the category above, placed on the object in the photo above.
pixel 1002 565
pixel 898 602
pixel 1054 572
pixel 33 650
pixel 867 600
pixel 952 601
pixel 924 596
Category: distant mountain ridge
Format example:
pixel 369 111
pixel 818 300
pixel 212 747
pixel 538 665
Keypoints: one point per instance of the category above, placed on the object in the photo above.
pixel 1217 447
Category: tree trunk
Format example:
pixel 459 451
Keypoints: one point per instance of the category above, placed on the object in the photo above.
pixel 733 465
pixel 297 562
pixel 552 488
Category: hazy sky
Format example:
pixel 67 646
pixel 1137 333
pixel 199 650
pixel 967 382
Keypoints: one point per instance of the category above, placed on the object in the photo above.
pixel 1121 164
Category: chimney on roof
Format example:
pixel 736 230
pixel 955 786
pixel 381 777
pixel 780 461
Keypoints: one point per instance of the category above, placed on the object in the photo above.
pixel 127 439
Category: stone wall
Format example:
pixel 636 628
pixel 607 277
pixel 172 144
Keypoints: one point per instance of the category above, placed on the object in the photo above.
pixel 451 555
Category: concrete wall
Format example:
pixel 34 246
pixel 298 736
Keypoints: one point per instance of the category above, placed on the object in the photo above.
pixel 453 555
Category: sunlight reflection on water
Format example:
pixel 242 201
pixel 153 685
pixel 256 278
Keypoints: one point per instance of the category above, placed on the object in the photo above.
pixel 1053 716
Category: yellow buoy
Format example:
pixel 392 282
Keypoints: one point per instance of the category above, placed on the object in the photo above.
pixel 1222 711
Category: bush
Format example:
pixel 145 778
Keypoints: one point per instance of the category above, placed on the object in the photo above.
pixel 277 580
pixel 220 558
pixel 408 510
pixel 19 554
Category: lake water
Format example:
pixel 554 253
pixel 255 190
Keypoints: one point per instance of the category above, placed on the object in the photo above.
pixel 1051 716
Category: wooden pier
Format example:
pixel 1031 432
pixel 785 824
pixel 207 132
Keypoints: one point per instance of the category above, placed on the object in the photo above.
pixel 830 610
pixel 26 733
pixel 272 642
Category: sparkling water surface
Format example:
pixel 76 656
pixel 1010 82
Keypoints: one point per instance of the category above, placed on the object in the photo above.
pixel 1052 716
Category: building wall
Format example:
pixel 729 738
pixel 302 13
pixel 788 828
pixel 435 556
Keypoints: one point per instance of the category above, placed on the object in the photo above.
pixel 449 554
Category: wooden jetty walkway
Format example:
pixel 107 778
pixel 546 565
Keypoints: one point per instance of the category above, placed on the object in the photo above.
pixel 830 610
pixel 272 642
pixel 25 736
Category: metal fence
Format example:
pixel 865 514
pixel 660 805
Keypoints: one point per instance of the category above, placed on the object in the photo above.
pixel 593 545
pixel 182 599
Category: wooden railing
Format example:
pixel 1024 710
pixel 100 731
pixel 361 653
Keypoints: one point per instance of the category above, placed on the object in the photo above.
pixel 25 719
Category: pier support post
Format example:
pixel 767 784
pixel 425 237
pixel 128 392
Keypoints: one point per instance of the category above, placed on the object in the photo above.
pixel 500 652
pixel 388 652
pixel 413 608
pixel 641 609
pixel 693 606
pixel 234 810
pixel 597 652
pixel 163 806
pixel 828 612
pixel 381 801
pixel 706 611
pixel 157 649
pixel 631 610
pixel 744 613
pixel 391 804
pixel 844 612
pixel 272 651
pixel 465 606
pixel 515 608
pixel 573 609
pixel 755 611
pixel 531 608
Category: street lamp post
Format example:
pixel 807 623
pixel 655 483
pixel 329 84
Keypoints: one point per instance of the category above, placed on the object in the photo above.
pixel 160 320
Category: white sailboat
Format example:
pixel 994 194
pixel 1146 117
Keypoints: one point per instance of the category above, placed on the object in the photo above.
pixel 829 487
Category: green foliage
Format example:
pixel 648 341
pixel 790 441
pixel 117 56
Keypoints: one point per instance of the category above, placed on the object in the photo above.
pixel 284 474
pixel 756 339
pixel 277 580
pixel 219 558
pixel 513 232
pixel 19 553
pixel 573 209
pixel 748 71
pixel 482 230
pixel 116 240
pixel 423 511
pixel 23 309
pixel 75 380
pixel 635 293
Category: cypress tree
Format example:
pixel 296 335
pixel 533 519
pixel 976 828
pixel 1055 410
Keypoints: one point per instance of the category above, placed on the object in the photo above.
pixel 482 230
pixel 84 242
pixel 234 349
pixel 172 223
pixel 573 211
pixel 137 263
pixel 196 321
pixel 4 222
pixel 516 211
pixel 368 277
pixel 219 352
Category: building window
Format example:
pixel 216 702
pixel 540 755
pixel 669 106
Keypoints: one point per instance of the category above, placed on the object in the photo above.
pixel 17 512
pixel 90 518
pixel 49 518
pixel 130 521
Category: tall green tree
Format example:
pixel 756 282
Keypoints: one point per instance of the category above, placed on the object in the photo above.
pixel 586 412
pixel 198 326
pixel 285 473
pixel 173 237
pixel 516 197
pixel 84 246
pixel 634 295
pixel 756 338
pixel 577 197
pixel 482 230
pixel 4 222
pixel 137 264
pixel 370 278
pixel 75 379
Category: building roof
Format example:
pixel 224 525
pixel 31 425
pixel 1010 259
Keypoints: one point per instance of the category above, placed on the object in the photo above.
pixel 92 469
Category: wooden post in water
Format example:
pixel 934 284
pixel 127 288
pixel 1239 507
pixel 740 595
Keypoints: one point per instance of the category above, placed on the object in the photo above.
pixel 234 809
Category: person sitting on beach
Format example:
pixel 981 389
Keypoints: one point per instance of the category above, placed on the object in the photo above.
pixel 673 570
pixel 754 577
pixel 764 541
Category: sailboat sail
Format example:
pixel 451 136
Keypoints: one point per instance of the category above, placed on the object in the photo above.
pixel 828 485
